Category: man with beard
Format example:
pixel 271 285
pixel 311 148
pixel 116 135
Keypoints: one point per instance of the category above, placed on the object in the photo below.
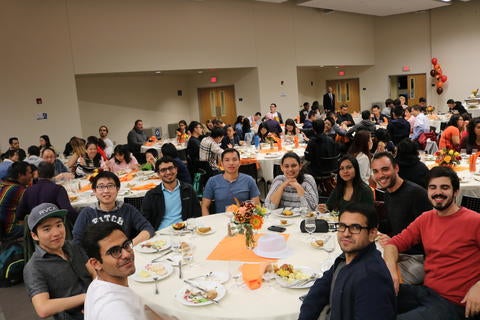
pixel 111 255
pixel 404 202
pixel 358 285
pixel 451 238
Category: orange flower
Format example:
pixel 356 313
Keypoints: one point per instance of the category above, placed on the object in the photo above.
pixel 232 208
pixel 447 159
pixel 256 222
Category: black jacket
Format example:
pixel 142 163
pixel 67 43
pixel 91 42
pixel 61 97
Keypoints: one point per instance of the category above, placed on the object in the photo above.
pixel 153 207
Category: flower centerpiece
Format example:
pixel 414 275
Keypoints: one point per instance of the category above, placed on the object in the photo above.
pixel 247 217
pixel 430 109
pixel 447 157
pixel 271 138
pixel 182 137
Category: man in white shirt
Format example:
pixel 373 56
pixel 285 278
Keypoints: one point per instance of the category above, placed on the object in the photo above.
pixel 103 132
pixel 111 255
pixel 421 123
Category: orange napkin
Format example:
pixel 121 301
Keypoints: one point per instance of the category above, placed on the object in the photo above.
pixel 127 177
pixel 86 187
pixel 252 274
pixel 147 186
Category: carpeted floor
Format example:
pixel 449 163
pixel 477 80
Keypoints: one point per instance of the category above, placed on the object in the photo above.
pixel 15 304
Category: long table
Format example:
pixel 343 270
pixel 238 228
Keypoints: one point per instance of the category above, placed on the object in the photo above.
pixel 270 302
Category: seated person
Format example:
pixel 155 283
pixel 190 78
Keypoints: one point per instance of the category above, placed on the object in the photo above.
pixel 321 151
pixel 358 285
pixel 61 172
pixel 123 160
pixel 399 128
pixel 343 117
pixel 105 185
pixel 262 133
pixel 230 139
pixel 169 150
pixel 272 125
pixel 182 127
pixel 56 276
pixel 90 161
pixel 46 191
pixel 293 188
pixel 377 117
pixel 172 200
pixel 151 155
pixel 33 155
pixel 225 188
pixel 210 149
pixel 308 123
pixel 472 139
pixel 360 149
pixel 450 138
pixel 350 187
pixel 11 156
pixel 365 124
pixel 410 166
pixel 14 144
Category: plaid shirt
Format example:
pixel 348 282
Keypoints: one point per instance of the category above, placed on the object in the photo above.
pixel 210 151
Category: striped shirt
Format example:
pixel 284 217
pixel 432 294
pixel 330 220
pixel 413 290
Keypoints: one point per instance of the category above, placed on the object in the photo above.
pixel 210 151
pixel 290 198
pixel 10 195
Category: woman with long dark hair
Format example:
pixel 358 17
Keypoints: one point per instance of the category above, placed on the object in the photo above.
pixel 293 188
pixel 450 138
pixel 349 188
pixel 472 140
pixel 91 161
pixel 360 149
pixel 122 160
pixel 291 128
pixel 169 150
pixel 230 139
pixel 44 142
pixel 238 127
pixel 247 131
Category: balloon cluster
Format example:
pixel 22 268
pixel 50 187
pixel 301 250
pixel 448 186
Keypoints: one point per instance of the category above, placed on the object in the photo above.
pixel 437 73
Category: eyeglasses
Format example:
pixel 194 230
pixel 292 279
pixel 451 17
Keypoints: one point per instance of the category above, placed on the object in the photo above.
pixel 353 228
pixel 103 187
pixel 163 170
pixel 116 251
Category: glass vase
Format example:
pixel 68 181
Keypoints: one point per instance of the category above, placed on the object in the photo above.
pixel 249 237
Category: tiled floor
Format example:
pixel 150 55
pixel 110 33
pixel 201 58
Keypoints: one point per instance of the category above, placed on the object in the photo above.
pixel 15 304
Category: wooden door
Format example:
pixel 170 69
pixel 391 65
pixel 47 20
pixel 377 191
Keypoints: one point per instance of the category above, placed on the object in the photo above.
pixel 217 102
pixel 417 88
pixel 346 91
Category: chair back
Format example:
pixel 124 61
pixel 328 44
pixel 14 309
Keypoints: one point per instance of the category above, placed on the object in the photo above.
pixel 471 203
pixel 249 169
pixel 277 170
pixel 135 201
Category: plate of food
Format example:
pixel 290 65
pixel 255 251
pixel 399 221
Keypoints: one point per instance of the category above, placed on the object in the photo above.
pixel 288 213
pixel 272 155
pixel 204 230
pixel 285 222
pixel 179 226
pixel 153 245
pixel 295 277
pixel 202 293
pixel 152 272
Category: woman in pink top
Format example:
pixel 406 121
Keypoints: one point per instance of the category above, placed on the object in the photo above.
pixel 450 137
pixel 122 160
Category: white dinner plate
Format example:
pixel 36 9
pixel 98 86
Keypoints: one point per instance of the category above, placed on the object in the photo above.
pixel 148 273
pixel 153 245
pixel 279 213
pixel 212 230
pixel 288 283
pixel 272 155
pixel 190 296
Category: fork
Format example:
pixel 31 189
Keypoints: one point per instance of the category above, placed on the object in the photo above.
pixel 156 284
pixel 303 282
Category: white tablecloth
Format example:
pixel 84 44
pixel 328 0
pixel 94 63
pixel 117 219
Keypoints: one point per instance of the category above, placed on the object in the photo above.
pixel 266 303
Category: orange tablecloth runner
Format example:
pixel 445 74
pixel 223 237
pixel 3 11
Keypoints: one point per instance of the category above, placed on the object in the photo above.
pixel 233 248
pixel 127 177
pixel 147 186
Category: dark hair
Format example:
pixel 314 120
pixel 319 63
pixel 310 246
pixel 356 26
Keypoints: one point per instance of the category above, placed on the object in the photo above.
pixel 356 182
pixel 103 126
pixel 397 102
pixel 239 119
pixel 454 120
pixel 365 114
pixel 216 132
pixel 169 150
pixel 290 122
pixel 182 122
pixel 381 134
pixel 386 154
pixel 293 155
pixel 315 104
pixel 10 153
pixel 388 102
pixel 137 121
pixel 422 99
pixel 46 170
pixel 90 142
pixel 450 101
pixel 318 126
pixel 10 140
pixel 230 150
pixel 193 125
pixel 122 149
pixel 441 171
pixel 153 152
pixel 47 140
pixel 343 105
pixel 329 119
pixel 367 210
pixel 398 111
pixel 360 144
pixel 50 149
pixel 312 113
pixel 96 232
pixel 273 104
pixel 106 175
pixel 164 159
pixel 258 114
pixel 246 127
pixel 417 108
pixel 33 151
pixel 16 169
pixel 471 132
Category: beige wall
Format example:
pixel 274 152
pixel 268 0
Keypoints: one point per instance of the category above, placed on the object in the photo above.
pixel 47 42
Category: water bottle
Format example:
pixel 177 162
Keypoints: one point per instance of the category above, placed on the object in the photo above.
pixel 256 141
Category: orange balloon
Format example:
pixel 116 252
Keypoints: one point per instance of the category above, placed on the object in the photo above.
pixel 439 84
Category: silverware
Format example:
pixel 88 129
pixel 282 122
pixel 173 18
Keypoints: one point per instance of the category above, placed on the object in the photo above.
pixel 303 282
pixel 156 284
pixel 206 276
pixel 162 255
pixel 193 285
pixel 180 275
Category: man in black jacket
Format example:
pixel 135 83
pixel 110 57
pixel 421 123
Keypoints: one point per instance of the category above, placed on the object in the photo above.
pixel 171 201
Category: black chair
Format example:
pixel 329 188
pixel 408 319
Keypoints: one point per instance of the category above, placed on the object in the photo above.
pixel 277 170
pixel 136 202
pixel 251 170
pixel 471 203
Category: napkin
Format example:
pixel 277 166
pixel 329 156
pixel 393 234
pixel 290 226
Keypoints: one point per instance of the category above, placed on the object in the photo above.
pixel 147 186
pixel 252 274
pixel 85 188
pixel 127 177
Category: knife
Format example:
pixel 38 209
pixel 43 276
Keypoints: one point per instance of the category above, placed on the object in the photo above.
pixel 180 275
pixel 162 255
pixel 193 285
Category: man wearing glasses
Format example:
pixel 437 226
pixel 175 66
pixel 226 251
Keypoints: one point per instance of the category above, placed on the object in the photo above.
pixel 358 285
pixel 172 200
pixel 111 256
pixel 105 186
pixel 56 277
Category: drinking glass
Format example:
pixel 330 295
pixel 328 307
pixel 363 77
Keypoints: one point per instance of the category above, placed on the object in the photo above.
pixel 235 273
pixel 310 226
